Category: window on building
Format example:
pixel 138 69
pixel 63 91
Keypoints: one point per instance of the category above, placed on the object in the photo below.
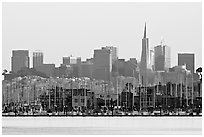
pixel 82 93
pixel 74 93
pixel 76 100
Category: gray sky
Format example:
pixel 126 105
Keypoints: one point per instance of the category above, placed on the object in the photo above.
pixel 62 29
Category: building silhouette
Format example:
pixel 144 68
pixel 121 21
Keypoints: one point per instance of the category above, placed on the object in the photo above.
pixel 37 58
pixel 114 52
pixel 86 69
pixel 162 60
pixel 145 60
pixel 19 60
pixel 102 64
pixel 66 60
pixel 152 59
pixel 48 69
pixel 71 60
pixel 74 63
pixel 186 59
pixel 63 71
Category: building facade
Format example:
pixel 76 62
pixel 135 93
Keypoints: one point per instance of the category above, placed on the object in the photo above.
pixel 145 61
pixel 71 60
pixel 152 59
pixel 86 69
pixel 102 64
pixel 19 60
pixel 162 58
pixel 48 69
pixel 37 58
pixel 188 60
pixel 114 52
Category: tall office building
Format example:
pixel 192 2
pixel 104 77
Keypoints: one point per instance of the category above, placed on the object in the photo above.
pixel 114 52
pixel 162 58
pixel 114 56
pixel 71 60
pixel 152 59
pixel 102 64
pixel 66 60
pixel 86 69
pixel 130 67
pixel 145 61
pixel 167 56
pixel 37 59
pixel 19 60
pixel 188 59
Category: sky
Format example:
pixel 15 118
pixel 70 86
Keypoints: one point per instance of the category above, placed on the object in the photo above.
pixel 64 29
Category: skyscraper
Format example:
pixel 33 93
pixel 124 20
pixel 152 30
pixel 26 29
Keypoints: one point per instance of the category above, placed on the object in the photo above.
pixel 162 58
pixel 102 64
pixel 167 56
pixel 152 59
pixel 188 59
pixel 75 63
pixel 71 60
pixel 145 61
pixel 19 60
pixel 114 56
pixel 37 58
pixel 66 60
pixel 86 69
pixel 114 52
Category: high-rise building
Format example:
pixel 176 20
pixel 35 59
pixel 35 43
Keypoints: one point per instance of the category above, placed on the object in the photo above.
pixel 145 61
pixel 102 64
pixel 19 60
pixel 37 58
pixel 71 60
pixel 114 56
pixel 162 58
pixel 114 52
pixel 121 67
pixel 167 56
pixel 78 60
pixel 66 60
pixel 130 67
pixel 86 69
pixel 75 63
pixel 152 59
pixel 186 59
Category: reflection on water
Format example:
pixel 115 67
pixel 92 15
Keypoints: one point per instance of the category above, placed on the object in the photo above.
pixel 101 126
pixel 95 131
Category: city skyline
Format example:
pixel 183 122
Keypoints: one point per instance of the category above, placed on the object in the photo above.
pixel 129 47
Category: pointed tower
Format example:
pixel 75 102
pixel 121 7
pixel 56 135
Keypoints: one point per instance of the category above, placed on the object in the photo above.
pixel 145 61
pixel 145 31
